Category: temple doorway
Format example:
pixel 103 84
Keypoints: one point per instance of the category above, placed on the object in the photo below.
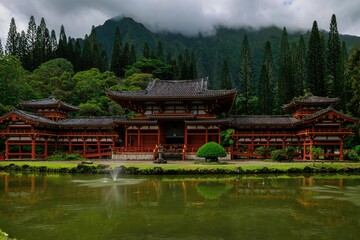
pixel 173 132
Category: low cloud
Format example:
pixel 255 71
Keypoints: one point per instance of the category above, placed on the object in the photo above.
pixel 187 16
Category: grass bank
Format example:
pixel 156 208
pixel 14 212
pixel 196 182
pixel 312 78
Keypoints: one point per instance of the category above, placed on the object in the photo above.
pixel 177 168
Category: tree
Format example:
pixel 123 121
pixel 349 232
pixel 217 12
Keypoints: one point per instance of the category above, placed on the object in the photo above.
pixel 93 55
pixel 226 82
pixel 12 43
pixel 135 82
pixel 159 51
pixel 211 151
pixel 62 45
pixel 1 48
pixel 300 69
pixel 22 50
pixel 315 63
pixel 157 68
pixel 77 56
pixel 31 41
pixel 246 83
pixel 146 51
pixel 267 84
pixel 347 90
pixel 42 78
pixel 42 48
pixel 13 87
pixel 90 84
pixel 334 68
pixel 116 57
pixel 53 44
pixel 285 83
pixel 353 74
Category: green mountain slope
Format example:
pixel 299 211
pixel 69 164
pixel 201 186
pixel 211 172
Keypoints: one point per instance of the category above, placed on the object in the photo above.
pixel 209 50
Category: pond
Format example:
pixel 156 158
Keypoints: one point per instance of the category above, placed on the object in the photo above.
pixel 180 207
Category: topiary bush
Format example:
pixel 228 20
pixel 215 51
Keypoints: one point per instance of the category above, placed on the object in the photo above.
pixel 279 155
pixel 211 151
pixel 65 157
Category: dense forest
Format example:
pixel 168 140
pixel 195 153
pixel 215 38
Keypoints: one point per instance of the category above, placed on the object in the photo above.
pixel 268 66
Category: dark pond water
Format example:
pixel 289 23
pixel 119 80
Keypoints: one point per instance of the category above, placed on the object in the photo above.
pixel 182 207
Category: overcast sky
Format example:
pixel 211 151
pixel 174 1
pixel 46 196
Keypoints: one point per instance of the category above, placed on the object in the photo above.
pixel 185 16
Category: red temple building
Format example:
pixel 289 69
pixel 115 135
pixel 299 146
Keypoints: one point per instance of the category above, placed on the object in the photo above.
pixel 180 115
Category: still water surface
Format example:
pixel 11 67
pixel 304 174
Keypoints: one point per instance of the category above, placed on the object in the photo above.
pixel 180 207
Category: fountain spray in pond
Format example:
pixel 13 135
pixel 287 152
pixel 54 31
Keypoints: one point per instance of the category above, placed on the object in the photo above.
pixel 114 172
pixel 113 181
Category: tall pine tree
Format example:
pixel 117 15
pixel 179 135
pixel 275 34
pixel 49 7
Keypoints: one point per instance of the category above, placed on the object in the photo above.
pixel 146 51
pixel 31 42
pixel 116 64
pixel 246 83
pixel 226 82
pixel 334 68
pixel 353 73
pixel 286 82
pixel 159 51
pixel 12 43
pixel 300 69
pixel 315 63
pixel 62 45
pixel 53 44
pixel 267 83
pixel 1 48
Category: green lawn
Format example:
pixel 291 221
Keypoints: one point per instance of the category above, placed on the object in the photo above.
pixel 279 166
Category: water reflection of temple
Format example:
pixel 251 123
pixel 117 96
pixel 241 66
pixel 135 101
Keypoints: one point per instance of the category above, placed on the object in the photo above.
pixel 160 190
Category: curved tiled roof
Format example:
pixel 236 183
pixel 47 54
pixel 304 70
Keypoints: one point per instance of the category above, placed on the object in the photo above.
pixel 264 120
pixel 87 122
pixel 310 100
pixel 48 103
pixel 31 117
pixel 317 114
pixel 215 121
pixel 173 89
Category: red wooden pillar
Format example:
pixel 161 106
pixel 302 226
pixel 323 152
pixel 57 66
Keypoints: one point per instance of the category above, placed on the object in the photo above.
pixel 206 134
pixel 138 137
pixel 158 135
pixel 126 136
pixel 84 147
pixel 46 148
pixel 185 135
pixel 113 142
pixel 283 143
pixel 33 147
pixel 98 146
pixel 70 145
pixel 311 147
pixel 341 157
pixel 7 148
pixel 304 150
pixel 219 135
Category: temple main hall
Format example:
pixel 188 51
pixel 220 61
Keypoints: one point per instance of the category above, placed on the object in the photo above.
pixel 180 116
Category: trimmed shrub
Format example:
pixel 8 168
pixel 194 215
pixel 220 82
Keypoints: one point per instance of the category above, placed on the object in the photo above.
pixel 211 151
pixel 352 155
pixel 279 155
pixel 65 157
pixel 290 153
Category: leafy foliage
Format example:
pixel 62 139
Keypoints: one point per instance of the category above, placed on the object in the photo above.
pixel 226 139
pixel 211 151
pixel 65 157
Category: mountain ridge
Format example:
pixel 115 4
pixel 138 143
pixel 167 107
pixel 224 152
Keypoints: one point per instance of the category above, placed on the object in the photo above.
pixel 210 50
